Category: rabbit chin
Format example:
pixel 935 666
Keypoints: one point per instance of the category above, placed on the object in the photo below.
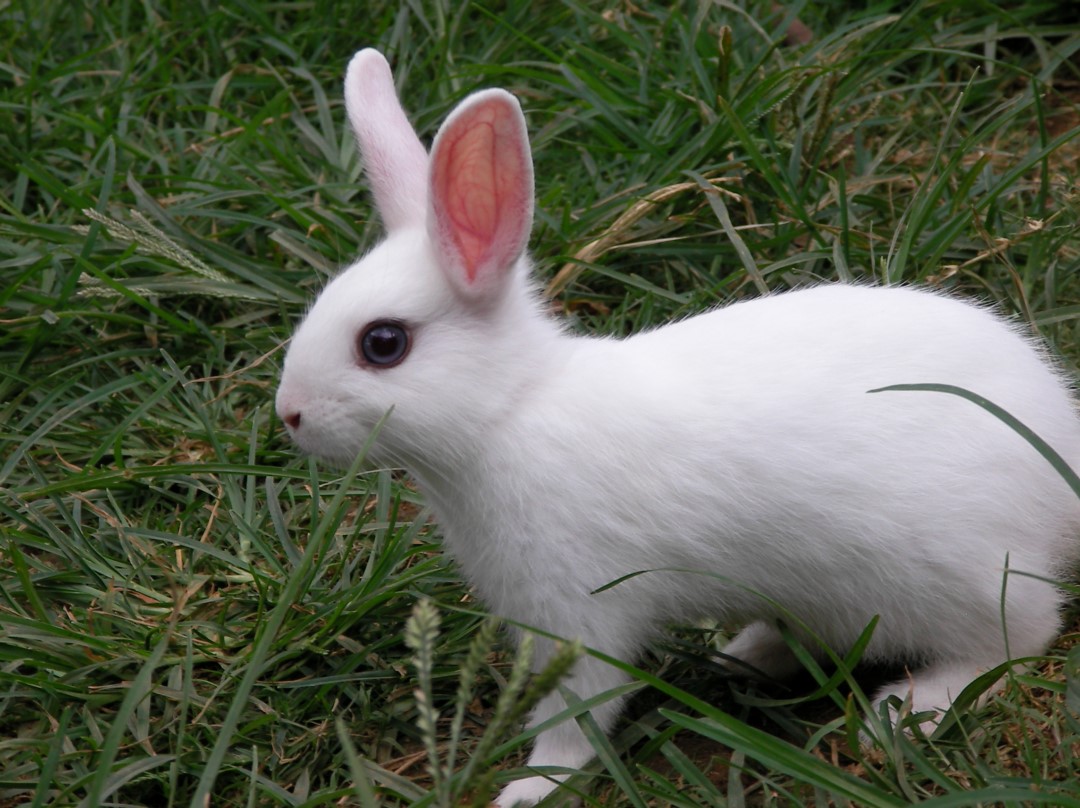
pixel 332 451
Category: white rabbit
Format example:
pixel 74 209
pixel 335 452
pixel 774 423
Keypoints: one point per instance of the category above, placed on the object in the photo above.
pixel 741 442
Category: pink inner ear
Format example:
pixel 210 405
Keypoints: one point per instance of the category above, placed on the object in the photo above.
pixel 478 182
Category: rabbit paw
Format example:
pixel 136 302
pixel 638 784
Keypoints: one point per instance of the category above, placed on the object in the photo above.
pixel 528 792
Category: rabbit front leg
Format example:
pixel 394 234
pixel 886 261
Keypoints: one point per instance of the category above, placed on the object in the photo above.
pixel 565 745
pixel 762 647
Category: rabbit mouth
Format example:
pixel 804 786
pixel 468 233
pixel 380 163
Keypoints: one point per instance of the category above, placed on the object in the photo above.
pixel 326 445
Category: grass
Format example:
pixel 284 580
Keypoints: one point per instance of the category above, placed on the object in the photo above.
pixel 191 614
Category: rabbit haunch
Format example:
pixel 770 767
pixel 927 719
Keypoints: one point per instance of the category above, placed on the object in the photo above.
pixel 742 442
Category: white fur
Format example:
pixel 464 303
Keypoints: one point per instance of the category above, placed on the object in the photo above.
pixel 741 442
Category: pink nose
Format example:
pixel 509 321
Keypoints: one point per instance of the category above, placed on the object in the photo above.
pixel 292 419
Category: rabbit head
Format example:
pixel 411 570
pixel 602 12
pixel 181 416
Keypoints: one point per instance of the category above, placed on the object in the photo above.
pixel 438 322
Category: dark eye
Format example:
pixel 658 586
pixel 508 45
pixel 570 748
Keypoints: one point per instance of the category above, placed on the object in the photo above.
pixel 384 343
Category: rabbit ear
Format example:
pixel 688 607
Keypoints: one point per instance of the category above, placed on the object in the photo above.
pixel 481 194
pixel 394 159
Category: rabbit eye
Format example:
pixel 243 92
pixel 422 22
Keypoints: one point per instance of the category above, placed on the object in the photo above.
pixel 384 343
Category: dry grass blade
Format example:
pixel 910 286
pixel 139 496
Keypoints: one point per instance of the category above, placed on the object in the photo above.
pixel 615 234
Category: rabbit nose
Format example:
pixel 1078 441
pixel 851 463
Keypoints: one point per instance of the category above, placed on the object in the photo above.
pixel 289 406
